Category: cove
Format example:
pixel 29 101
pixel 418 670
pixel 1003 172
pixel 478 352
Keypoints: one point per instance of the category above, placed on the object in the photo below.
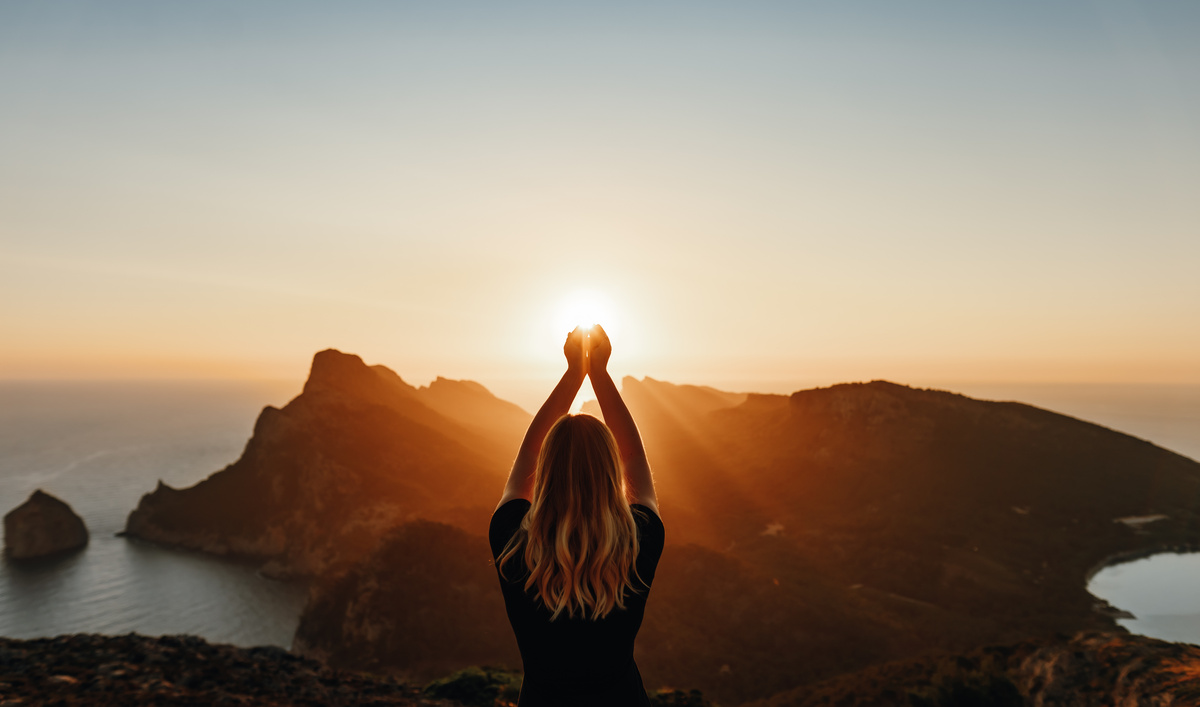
pixel 1162 591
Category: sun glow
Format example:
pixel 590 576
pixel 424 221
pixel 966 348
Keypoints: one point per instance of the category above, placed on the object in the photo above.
pixel 585 308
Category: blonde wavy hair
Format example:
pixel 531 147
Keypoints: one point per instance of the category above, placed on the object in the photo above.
pixel 579 538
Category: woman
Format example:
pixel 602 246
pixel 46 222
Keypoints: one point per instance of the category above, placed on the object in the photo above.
pixel 576 539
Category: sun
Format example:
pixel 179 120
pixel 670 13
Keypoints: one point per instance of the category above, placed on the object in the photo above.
pixel 585 308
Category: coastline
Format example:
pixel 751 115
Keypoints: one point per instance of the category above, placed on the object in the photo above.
pixel 1121 558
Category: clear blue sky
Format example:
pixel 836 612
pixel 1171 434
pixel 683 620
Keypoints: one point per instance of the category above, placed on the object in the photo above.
pixel 920 191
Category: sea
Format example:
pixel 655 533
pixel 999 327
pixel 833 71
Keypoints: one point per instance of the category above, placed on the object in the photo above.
pixel 100 446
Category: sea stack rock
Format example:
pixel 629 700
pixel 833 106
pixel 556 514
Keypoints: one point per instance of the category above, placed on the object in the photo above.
pixel 42 526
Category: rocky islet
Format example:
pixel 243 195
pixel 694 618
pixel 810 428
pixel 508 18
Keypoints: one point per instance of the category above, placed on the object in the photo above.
pixel 42 526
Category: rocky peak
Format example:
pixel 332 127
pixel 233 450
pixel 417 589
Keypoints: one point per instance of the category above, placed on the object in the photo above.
pixel 344 375
pixel 358 451
pixel 446 386
pixel 475 407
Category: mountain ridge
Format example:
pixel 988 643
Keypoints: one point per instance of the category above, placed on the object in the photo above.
pixel 358 452
pixel 809 535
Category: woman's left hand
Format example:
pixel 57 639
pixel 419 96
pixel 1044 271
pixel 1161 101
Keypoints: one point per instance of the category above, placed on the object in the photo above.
pixel 573 350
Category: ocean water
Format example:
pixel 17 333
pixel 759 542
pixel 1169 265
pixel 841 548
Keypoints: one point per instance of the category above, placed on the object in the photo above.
pixel 100 445
pixel 1162 592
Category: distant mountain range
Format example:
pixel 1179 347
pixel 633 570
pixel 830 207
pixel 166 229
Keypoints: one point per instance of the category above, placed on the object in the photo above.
pixel 808 535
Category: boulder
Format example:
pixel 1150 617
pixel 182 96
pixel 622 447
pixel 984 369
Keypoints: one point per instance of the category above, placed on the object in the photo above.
pixel 42 526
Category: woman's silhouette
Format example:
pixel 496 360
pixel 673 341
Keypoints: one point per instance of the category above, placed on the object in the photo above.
pixel 576 539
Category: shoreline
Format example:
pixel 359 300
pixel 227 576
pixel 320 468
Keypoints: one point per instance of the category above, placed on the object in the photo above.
pixel 1121 558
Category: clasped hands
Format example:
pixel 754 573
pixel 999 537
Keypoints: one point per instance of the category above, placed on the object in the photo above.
pixel 587 350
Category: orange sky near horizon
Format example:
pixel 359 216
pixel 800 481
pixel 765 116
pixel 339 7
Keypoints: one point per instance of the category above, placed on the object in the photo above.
pixel 767 197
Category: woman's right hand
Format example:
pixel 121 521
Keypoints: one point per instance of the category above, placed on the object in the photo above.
pixel 575 349
pixel 599 349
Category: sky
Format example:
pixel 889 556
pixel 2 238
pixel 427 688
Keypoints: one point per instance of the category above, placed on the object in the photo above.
pixel 756 195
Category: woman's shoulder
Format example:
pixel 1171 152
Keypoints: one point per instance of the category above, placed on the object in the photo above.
pixel 505 521
pixel 520 505
pixel 649 524
pixel 651 538
pixel 642 512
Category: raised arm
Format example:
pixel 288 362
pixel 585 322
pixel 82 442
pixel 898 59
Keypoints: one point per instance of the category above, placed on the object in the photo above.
pixel 616 415
pixel 520 478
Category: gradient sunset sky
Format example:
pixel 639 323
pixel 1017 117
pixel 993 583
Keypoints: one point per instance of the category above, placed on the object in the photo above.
pixel 802 193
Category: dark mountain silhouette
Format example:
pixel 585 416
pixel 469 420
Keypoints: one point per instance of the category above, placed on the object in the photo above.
pixel 809 535
pixel 922 519
pixel 357 453
pixel 428 605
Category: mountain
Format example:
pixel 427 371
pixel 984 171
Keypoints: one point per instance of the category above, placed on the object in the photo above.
pixel 817 534
pixel 923 519
pixel 357 453
pixel 808 536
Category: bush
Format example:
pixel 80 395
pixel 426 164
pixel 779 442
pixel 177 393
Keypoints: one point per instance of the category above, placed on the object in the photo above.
pixel 478 687
pixel 979 690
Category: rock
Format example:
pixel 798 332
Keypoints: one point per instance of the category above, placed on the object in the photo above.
pixel 42 526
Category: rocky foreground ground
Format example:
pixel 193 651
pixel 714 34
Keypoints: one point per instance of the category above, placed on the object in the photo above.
pixel 1088 670
pixel 88 669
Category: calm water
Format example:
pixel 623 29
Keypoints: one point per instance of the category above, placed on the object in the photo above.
pixel 100 446
pixel 1163 592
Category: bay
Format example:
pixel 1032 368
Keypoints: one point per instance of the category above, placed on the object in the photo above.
pixel 1162 591
pixel 99 446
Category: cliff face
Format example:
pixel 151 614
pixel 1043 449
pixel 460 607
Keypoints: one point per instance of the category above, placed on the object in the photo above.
pixel 43 525
pixel 357 453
